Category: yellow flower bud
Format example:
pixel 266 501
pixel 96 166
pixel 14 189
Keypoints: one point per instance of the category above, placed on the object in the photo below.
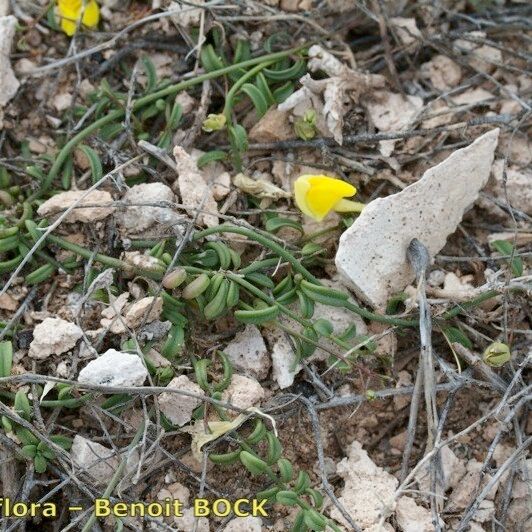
pixel 317 195
pixel 496 354
pixel 214 122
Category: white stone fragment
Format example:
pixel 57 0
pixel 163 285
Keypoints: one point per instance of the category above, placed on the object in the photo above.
pixel 188 521
pixel 114 368
pixel 99 461
pixel 406 29
pixel 248 353
pixel 284 367
pixel 371 256
pixel 442 71
pixel 368 492
pixel 144 310
pixel 193 189
pixel 176 407
pixel 62 101
pixel 453 471
pixel 243 392
pixel 518 186
pixel 52 337
pixel 244 524
pixel 411 517
pixel 8 82
pixel 391 111
pixel 4 8
pixel 62 201
pixel 137 219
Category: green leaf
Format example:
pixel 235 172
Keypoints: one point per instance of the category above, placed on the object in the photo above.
pixel 151 73
pixel 242 51
pixel 26 437
pixel 262 84
pixel 6 358
pixel 94 161
pixel 280 94
pixel 210 60
pixel 287 497
pixel 253 464
pixel 29 450
pixel 506 248
pixel 22 405
pixel 259 100
pixel 63 441
pixel 275 224
pixel 238 138
pixel 40 463
pixel 454 334
pixel 297 70
pixel 211 156
pixel 323 327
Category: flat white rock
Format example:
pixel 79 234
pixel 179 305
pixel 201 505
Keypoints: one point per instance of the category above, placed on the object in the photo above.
pixel 248 353
pixel 368 491
pixel 194 191
pixel 52 337
pixel 244 524
pixel 62 201
pixel 243 392
pixel 176 407
pixel 411 517
pixel 137 219
pixel 99 461
pixel 9 84
pixel 114 368
pixel 371 257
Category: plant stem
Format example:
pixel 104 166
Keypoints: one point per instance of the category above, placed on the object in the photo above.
pixel 238 84
pixel 298 267
pixel 145 100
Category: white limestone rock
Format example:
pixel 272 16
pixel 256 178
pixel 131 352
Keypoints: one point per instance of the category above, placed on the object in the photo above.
pixel 284 367
pixel 134 220
pixel 144 310
pixel 52 337
pixel 176 407
pixel 371 257
pixel 248 353
pixel 62 201
pixel 99 461
pixel 243 392
pixel 453 471
pixel 9 84
pixel 411 517
pixel 194 191
pixel 244 524
pixel 368 492
pixel 114 368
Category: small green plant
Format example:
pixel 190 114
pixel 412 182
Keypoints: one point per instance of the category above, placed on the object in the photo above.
pixel 260 452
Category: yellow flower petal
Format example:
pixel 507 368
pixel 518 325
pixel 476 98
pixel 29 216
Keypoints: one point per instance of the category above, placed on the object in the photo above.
pixel 91 17
pixel 317 195
pixel 70 12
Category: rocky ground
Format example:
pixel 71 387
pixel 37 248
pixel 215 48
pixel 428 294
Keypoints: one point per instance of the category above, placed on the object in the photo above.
pixel 190 308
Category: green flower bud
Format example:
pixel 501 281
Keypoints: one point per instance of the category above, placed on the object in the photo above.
pixel 196 287
pixel 174 278
pixel 214 122
pixel 305 126
pixel 496 354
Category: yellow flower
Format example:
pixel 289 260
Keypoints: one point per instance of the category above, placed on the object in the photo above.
pixel 317 195
pixel 70 12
